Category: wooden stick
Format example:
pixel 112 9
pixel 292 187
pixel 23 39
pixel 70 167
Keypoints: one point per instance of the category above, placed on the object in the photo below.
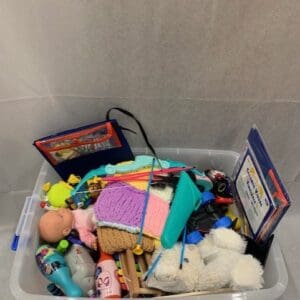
pixel 132 273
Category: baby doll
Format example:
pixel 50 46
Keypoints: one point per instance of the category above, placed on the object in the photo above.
pixel 55 225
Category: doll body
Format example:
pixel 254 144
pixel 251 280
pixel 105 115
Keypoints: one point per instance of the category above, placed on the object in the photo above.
pixel 57 224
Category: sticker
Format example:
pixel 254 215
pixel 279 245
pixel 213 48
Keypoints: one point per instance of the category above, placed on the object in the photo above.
pixel 47 267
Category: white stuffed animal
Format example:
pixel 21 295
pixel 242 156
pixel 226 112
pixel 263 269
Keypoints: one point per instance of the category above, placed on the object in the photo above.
pixel 226 265
pixel 168 277
pixel 216 262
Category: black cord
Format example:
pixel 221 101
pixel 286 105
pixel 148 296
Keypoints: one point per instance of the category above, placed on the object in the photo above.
pixel 129 114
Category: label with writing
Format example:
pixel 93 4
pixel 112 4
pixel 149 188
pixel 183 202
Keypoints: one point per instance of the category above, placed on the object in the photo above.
pixel 252 194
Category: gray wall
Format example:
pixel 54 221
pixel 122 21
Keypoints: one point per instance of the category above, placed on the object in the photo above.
pixel 197 73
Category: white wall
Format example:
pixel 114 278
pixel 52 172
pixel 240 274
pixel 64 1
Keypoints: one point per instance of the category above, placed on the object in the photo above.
pixel 197 73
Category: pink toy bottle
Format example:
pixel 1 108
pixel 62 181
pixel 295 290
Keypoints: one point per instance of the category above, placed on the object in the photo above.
pixel 107 283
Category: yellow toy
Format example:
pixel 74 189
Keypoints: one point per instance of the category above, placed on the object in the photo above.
pixel 57 194
pixel 233 217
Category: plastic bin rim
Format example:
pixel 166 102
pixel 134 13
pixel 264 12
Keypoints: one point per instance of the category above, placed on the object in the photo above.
pixel 277 290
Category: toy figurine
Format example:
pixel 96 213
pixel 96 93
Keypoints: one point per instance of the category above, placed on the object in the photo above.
pixel 221 183
pixel 53 266
pixel 82 267
pixel 57 224
pixel 61 194
pixel 87 194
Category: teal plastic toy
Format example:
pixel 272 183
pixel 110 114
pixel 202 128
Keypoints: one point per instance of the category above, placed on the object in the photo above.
pixel 140 162
pixel 53 266
pixel 203 180
pixel 187 198
pixel 91 174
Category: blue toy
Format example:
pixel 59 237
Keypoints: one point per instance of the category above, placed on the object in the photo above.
pixel 223 222
pixel 53 266
pixel 81 199
pixel 194 237
pixel 207 198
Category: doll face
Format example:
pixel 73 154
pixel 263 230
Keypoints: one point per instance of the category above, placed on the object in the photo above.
pixel 66 217
pixel 55 225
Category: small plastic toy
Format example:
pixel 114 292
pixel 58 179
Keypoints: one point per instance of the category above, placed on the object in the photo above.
pixel 95 186
pixel 221 183
pixel 107 283
pixel 62 246
pixel 194 237
pixel 82 267
pixel 53 266
pixel 81 199
pixel 223 222
pixel 235 220
pixel 99 172
pixel 62 195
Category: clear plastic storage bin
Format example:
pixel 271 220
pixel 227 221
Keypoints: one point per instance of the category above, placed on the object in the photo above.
pixel 27 283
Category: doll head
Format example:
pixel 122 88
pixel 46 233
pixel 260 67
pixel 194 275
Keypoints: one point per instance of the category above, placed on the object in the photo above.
pixel 55 225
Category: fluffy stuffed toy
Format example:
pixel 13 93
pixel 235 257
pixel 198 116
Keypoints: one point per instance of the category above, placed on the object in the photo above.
pixel 226 265
pixel 216 262
pixel 169 277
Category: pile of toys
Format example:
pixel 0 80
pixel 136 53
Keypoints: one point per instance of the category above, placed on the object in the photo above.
pixel 140 228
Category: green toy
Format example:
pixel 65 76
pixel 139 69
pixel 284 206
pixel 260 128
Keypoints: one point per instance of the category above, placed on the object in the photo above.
pixel 58 193
pixel 187 198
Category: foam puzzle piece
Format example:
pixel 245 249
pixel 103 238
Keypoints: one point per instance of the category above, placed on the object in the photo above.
pixel 187 198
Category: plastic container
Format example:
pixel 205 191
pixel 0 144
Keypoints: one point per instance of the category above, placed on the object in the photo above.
pixel 27 283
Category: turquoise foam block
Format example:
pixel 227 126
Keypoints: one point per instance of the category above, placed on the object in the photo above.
pixel 187 198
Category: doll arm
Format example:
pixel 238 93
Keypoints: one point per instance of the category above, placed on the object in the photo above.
pixel 87 237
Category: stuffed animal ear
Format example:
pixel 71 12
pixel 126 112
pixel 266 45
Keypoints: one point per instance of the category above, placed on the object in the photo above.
pixel 228 239
pixel 247 274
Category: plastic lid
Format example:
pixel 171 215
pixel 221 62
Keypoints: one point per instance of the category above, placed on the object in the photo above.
pixel 62 246
pixel 105 256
